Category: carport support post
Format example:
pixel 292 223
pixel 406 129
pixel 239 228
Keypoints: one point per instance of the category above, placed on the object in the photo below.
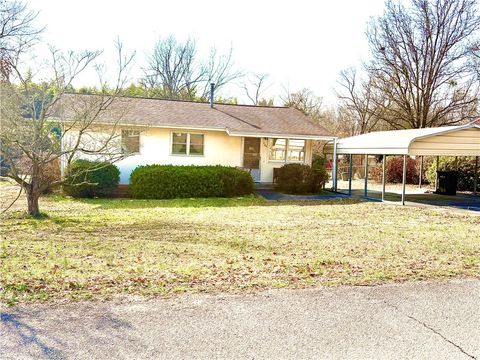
pixel 404 178
pixel 436 173
pixel 475 176
pixel 334 166
pixel 350 174
pixel 365 192
pixel 421 173
pixel 384 165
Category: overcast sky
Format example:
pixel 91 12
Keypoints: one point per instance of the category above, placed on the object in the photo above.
pixel 299 43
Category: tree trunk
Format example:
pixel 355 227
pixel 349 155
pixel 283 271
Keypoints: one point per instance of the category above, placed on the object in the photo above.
pixel 32 201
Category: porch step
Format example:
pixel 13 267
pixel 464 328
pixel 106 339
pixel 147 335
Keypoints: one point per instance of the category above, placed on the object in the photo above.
pixel 264 186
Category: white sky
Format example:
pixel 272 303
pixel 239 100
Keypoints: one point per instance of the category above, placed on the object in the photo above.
pixel 298 43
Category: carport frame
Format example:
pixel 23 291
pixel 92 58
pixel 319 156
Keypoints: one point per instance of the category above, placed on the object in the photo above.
pixel 342 147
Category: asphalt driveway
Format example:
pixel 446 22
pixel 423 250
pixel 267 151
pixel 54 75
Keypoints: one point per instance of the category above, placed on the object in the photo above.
pixel 436 320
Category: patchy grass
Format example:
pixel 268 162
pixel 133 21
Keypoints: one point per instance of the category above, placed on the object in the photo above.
pixel 98 249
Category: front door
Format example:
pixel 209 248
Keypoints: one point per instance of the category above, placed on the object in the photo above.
pixel 251 157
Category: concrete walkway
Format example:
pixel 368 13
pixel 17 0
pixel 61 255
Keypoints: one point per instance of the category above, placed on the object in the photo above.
pixel 424 320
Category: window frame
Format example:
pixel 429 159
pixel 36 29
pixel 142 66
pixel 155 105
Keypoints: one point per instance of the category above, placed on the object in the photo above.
pixel 188 143
pixel 123 149
pixel 270 148
pixel 287 146
pixel 304 152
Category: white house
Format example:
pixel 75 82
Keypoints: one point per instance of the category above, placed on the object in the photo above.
pixel 257 138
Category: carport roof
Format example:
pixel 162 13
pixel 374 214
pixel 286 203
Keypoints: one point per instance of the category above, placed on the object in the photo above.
pixel 448 141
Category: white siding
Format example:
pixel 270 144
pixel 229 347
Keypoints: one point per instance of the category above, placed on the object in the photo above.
pixel 219 149
pixel 155 148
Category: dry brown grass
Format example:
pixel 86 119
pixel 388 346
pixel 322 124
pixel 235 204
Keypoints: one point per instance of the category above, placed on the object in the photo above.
pixel 98 249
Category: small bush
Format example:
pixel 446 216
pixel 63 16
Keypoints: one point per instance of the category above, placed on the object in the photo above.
pixel 169 181
pixel 320 171
pixel 88 179
pixel 466 171
pixel 301 179
pixel 394 170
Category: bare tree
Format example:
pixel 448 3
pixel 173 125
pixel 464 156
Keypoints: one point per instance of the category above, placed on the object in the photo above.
pixel 357 103
pixel 175 71
pixel 218 70
pixel 18 32
pixel 42 125
pixel 172 68
pixel 255 87
pixel 306 101
pixel 419 62
pixel 475 60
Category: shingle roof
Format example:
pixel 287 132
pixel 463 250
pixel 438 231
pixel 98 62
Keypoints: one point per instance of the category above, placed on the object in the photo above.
pixel 235 119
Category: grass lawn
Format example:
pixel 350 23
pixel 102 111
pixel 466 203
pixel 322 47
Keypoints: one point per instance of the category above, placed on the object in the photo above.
pixel 98 249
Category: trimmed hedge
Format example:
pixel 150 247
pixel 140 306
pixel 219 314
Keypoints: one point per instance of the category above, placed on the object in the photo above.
pixel 170 181
pixel 301 179
pixel 100 179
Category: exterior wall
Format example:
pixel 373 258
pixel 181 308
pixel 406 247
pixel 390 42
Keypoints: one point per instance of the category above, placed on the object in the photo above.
pixel 464 142
pixel 267 166
pixel 219 149
pixel 155 148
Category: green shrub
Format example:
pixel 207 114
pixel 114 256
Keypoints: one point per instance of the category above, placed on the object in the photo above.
pixel 169 181
pixel 319 170
pixel 300 179
pixel 88 179
pixel 466 171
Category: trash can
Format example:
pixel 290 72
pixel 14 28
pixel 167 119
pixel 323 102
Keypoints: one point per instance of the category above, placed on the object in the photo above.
pixel 447 182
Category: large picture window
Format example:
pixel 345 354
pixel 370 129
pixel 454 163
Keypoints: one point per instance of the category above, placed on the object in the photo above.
pixel 286 150
pixel 277 149
pixel 296 150
pixel 130 141
pixel 187 144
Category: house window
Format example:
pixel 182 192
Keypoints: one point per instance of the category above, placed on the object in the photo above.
pixel 296 150
pixel 286 150
pixel 179 143
pixel 130 141
pixel 187 144
pixel 277 149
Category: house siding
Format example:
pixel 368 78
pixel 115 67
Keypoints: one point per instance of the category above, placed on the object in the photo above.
pixel 219 149
pixel 155 148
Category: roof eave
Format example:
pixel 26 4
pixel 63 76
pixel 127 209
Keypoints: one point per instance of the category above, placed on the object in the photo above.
pixel 280 135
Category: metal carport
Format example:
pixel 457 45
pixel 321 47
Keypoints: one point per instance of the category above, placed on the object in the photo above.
pixel 463 140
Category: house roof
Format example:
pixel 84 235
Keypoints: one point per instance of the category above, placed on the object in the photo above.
pixel 448 140
pixel 236 120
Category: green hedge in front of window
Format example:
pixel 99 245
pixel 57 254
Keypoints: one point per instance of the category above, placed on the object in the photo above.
pixel 170 181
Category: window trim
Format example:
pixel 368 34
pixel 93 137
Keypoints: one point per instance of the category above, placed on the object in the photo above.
pixel 124 151
pixel 285 159
pixel 188 133
pixel 304 152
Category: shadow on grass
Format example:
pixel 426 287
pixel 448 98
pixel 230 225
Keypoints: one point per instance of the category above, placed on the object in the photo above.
pixel 461 200
pixel 211 202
